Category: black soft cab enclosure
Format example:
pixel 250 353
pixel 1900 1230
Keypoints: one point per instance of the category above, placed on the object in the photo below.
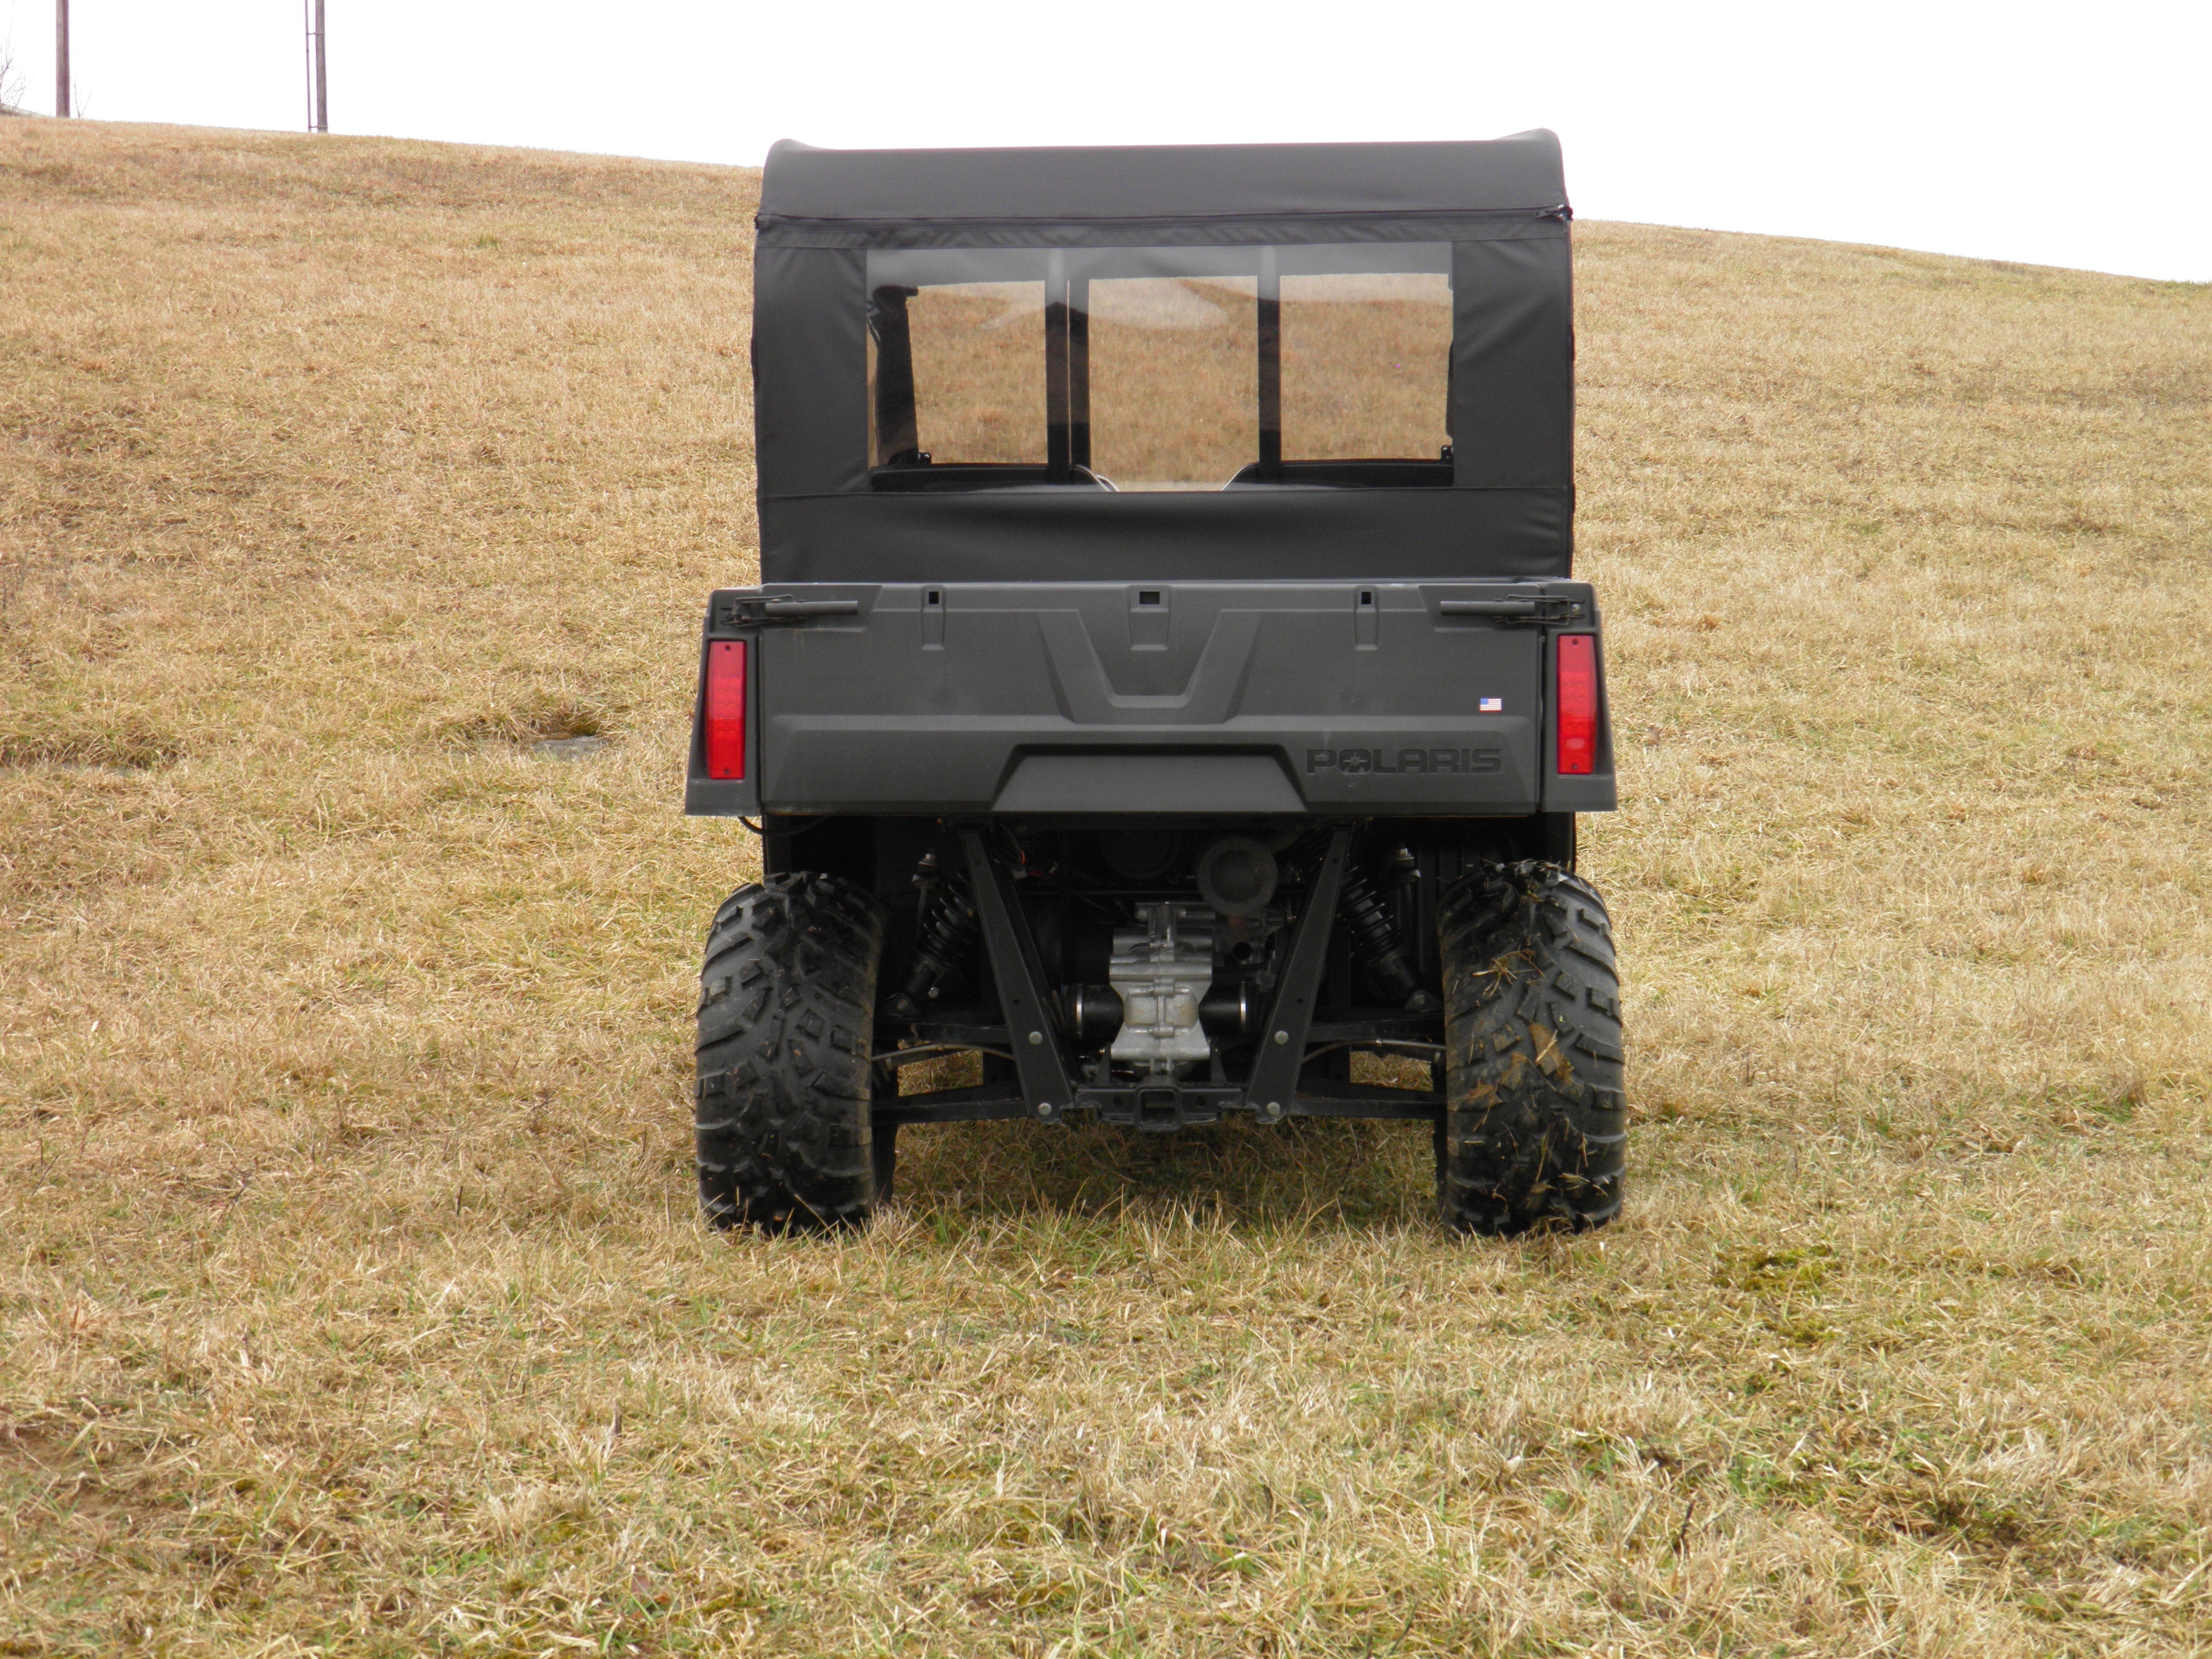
pixel 1259 455
pixel 1142 527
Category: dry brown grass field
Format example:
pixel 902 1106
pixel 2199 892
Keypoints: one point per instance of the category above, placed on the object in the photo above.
pixel 352 1300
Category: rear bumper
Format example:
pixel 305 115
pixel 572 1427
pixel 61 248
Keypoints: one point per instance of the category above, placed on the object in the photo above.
pixel 1254 767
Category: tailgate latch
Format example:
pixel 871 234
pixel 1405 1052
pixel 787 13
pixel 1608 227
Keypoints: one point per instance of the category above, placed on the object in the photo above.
pixel 1537 612
pixel 766 610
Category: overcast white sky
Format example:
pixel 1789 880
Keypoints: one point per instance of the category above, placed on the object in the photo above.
pixel 2069 135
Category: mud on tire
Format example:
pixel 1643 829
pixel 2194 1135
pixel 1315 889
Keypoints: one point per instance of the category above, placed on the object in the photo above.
pixel 786 1010
pixel 1536 1120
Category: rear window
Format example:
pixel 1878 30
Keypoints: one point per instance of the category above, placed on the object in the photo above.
pixel 1160 368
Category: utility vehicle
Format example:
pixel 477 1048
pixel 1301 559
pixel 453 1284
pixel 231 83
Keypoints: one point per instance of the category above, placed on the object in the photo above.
pixel 1166 678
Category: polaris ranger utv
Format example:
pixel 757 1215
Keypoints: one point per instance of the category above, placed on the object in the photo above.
pixel 1165 678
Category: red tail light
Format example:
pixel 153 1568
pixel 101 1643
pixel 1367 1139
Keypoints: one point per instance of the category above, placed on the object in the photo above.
pixel 1576 702
pixel 726 708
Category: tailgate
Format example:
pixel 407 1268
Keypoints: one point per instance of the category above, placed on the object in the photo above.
pixel 1247 697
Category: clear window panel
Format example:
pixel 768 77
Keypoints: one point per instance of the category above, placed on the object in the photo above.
pixel 1172 379
pixel 979 366
pixel 1139 369
pixel 1366 365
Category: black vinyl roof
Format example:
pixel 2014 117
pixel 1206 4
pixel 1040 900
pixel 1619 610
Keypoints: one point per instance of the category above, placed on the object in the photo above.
pixel 1162 181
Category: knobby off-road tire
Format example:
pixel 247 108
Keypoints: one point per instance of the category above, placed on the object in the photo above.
pixel 787 1011
pixel 1535 1125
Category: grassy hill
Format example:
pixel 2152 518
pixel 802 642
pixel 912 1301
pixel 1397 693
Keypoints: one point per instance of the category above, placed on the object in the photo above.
pixel 352 1299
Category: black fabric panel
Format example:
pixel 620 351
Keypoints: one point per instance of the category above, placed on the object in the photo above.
pixel 1513 412
pixel 1167 181
pixel 810 370
pixel 1458 226
pixel 1087 536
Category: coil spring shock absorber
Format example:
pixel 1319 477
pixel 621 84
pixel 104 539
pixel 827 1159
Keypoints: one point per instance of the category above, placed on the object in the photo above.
pixel 1376 942
pixel 944 944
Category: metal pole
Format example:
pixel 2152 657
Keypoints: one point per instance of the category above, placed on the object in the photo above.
pixel 322 75
pixel 1055 369
pixel 1271 369
pixel 61 58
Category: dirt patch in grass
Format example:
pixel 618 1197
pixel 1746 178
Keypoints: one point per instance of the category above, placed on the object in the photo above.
pixel 118 748
pixel 539 716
